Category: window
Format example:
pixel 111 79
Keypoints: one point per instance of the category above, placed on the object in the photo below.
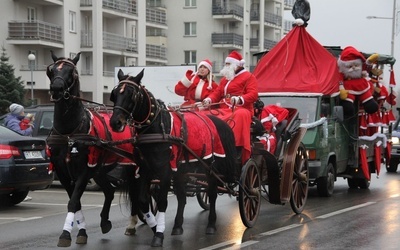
pixel 190 3
pixel 31 14
pixel 190 57
pixel 72 21
pixel 190 29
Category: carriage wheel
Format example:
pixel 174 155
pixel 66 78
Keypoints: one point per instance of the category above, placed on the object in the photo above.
pixel 300 180
pixel 202 198
pixel 249 193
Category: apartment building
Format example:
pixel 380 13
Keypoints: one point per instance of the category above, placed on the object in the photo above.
pixel 112 33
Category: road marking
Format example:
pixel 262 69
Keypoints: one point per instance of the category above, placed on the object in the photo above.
pixel 65 204
pixel 222 244
pixel 30 218
pixel 344 210
pixel 281 229
pixel 239 246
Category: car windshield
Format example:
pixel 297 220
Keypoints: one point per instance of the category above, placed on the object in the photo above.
pixel 306 106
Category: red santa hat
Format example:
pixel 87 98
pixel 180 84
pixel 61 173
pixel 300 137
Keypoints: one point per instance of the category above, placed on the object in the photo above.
pixel 206 63
pixel 350 54
pixel 235 58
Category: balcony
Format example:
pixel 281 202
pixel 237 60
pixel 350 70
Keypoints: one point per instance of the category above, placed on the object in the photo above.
pixel 273 19
pixel 268 44
pixel 34 30
pixel 288 4
pixel 86 39
pixel 287 26
pixel 229 12
pixel 227 40
pixel 156 52
pixel 156 16
pixel 117 42
pixel 122 6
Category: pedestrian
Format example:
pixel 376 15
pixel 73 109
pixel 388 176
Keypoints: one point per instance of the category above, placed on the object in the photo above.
pixel 195 86
pixel 237 92
pixel 14 118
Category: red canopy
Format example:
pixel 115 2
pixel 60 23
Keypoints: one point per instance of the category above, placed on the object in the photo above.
pixel 298 63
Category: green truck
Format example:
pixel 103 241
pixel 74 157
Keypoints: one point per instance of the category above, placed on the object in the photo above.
pixel 300 73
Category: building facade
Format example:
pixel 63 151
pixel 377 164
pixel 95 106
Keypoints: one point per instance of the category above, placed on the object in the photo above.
pixel 113 33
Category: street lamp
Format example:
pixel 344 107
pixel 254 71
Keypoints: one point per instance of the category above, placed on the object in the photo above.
pixel 393 18
pixel 31 58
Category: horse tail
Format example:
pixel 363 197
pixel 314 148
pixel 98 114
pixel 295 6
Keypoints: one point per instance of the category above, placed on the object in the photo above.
pixel 130 189
pixel 228 165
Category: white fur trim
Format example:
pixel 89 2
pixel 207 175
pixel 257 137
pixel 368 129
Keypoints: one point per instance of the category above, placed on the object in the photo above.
pixel 206 64
pixel 199 90
pixel 186 82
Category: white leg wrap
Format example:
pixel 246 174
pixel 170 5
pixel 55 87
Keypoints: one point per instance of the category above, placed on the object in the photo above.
pixel 160 222
pixel 80 220
pixel 69 222
pixel 150 220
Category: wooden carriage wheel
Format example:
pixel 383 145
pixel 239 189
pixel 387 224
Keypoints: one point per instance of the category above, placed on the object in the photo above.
pixel 249 193
pixel 202 198
pixel 300 180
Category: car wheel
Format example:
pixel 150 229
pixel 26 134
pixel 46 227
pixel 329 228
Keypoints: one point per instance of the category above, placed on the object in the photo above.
pixel 16 197
pixel 392 167
pixel 92 185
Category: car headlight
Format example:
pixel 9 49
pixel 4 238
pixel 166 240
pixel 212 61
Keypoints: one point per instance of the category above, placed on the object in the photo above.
pixel 395 140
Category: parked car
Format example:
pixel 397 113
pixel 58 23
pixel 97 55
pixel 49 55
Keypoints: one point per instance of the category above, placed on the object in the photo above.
pixel 44 114
pixel 395 153
pixel 24 166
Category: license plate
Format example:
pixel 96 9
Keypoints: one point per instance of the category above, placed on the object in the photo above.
pixel 33 155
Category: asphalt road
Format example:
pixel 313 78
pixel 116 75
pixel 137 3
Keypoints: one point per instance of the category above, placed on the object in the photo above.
pixel 350 219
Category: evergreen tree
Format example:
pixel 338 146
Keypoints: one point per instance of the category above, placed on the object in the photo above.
pixel 11 87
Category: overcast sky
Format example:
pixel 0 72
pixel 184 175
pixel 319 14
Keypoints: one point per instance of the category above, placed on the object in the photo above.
pixel 343 23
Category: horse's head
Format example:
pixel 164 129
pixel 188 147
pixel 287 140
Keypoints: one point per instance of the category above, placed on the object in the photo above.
pixel 64 79
pixel 127 98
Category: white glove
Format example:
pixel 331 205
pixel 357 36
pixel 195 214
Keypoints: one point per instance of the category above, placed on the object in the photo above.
pixel 206 102
pixel 235 100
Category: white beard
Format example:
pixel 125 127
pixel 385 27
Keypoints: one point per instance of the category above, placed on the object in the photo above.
pixel 351 69
pixel 228 71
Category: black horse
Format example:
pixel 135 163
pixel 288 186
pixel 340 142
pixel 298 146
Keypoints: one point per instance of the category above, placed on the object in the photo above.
pixel 171 144
pixel 75 151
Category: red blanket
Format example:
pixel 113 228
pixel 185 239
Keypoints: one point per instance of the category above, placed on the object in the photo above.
pixel 202 137
pixel 98 129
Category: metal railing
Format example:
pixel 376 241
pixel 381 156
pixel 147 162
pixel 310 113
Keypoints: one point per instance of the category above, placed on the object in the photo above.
pixel 36 67
pixel 155 51
pixel 158 16
pixel 289 3
pixel 86 2
pixel 273 18
pixel 118 42
pixel 34 30
pixel 229 9
pixel 87 38
pixel 124 6
pixel 268 44
pixel 227 38
pixel 287 25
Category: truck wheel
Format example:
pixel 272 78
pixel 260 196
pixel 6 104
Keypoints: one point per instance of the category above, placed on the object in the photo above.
pixel 392 167
pixel 363 183
pixel 352 182
pixel 325 184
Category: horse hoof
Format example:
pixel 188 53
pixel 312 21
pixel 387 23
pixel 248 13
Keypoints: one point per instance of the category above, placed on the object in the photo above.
pixel 177 231
pixel 158 239
pixel 65 239
pixel 106 227
pixel 211 230
pixel 81 237
pixel 130 231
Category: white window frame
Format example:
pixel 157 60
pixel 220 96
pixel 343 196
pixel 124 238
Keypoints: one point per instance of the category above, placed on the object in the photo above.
pixel 190 3
pixel 190 29
pixel 72 21
pixel 31 15
pixel 190 56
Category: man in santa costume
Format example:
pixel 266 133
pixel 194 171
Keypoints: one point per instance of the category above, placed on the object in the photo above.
pixel 237 93
pixel 195 86
pixel 351 64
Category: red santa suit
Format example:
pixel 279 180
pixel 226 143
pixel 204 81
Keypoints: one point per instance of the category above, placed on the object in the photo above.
pixel 193 88
pixel 351 63
pixel 243 85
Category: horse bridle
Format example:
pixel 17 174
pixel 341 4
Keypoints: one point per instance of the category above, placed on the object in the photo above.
pixel 66 95
pixel 138 97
